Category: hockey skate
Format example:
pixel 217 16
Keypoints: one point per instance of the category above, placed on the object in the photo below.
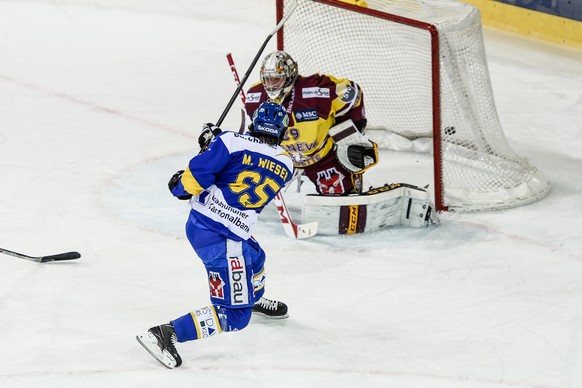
pixel 160 342
pixel 271 308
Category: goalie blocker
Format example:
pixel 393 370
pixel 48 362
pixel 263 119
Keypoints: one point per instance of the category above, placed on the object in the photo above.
pixel 378 208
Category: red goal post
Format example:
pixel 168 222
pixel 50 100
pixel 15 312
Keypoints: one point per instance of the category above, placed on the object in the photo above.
pixel 423 70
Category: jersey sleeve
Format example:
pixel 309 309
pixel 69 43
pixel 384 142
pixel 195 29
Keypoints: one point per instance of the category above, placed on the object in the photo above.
pixel 349 100
pixel 202 169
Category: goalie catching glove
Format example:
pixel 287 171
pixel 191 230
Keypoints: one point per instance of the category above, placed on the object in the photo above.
pixel 354 151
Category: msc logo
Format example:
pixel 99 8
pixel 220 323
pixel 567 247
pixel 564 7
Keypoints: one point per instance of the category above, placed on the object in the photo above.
pixel 306 115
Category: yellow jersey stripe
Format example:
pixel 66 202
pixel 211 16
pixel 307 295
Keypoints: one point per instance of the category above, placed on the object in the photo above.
pixel 190 183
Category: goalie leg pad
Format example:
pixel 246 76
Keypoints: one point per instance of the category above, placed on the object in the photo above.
pixel 418 213
pixel 398 204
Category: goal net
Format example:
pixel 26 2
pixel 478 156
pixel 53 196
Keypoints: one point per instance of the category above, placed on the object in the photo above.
pixel 423 70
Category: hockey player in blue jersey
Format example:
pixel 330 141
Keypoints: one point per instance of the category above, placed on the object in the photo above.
pixel 228 184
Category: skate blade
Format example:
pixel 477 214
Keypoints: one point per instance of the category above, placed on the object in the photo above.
pixel 150 343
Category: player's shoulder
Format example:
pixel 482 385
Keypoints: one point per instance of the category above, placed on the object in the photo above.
pixel 314 87
pixel 327 86
pixel 281 154
pixel 231 137
pixel 228 139
pixel 316 79
pixel 244 142
pixel 321 80
pixel 235 142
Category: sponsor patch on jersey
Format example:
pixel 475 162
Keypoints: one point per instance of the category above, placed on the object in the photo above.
pixel 349 94
pixel 315 92
pixel 253 97
pixel 306 115
pixel 330 181
pixel 216 285
pixel 259 281
pixel 239 294
pixel 206 322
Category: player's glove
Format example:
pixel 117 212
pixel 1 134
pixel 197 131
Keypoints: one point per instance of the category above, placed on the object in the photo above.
pixel 174 180
pixel 209 130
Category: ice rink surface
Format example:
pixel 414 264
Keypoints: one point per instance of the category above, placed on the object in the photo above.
pixel 101 101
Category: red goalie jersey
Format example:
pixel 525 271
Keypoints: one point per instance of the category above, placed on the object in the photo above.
pixel 315 104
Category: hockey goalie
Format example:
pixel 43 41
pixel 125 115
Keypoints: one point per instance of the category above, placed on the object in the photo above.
pixel 327 143
pixel 397 204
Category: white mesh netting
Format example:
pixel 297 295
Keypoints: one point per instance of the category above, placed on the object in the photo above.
pixel 393 63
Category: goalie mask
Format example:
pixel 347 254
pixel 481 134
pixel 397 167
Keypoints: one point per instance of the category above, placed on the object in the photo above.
pixel 270 119
pixel 278 75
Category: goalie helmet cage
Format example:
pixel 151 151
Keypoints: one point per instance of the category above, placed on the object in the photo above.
pixel 423 70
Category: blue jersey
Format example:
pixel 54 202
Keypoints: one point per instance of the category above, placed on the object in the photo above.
pixel 232 181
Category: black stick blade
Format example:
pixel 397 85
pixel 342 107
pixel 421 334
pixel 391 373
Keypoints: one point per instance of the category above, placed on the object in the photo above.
pixel 61 257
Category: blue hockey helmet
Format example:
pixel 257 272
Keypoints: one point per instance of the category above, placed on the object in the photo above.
pixel 270 119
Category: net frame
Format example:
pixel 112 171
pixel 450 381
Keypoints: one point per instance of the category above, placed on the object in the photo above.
pixel 524 186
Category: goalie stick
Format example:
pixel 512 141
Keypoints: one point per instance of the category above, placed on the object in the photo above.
pixel 43 259
pixel 292 229
pixel 242 93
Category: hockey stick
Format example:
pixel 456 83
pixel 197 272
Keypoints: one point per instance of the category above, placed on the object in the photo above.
pixel 292 229
pixel 253 63
pixel 43 259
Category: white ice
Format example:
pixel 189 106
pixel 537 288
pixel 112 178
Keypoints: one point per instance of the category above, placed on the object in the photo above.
pixel 101 101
